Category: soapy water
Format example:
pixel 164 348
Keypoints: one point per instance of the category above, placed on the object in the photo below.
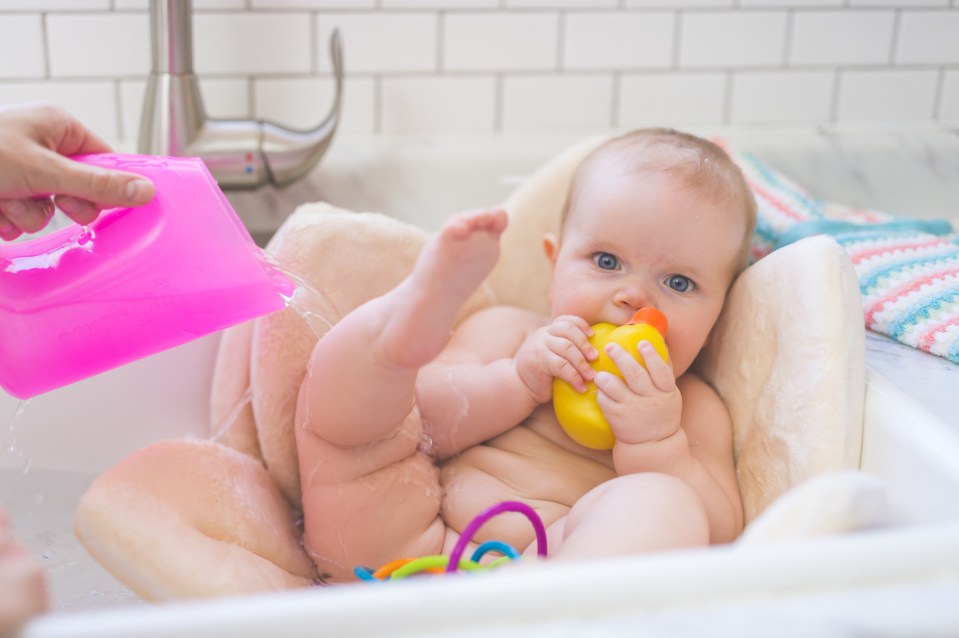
pixel 10 445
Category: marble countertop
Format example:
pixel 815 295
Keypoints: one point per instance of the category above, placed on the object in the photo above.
pixel 932 381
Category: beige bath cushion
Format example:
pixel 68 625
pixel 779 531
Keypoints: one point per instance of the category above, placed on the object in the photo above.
pixel 786 356
pixel 831 503
pixel 192 519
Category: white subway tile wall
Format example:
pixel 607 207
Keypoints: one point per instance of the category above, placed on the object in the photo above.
pixel 830 38
pixel 490 66
pixel 651 99
pixel 949 110
pixel 733 39
pixel 616 40
pixel 21 47
pixel 781 97
pixel 887 96
pixel 557 102
pixel 500 41
pixel 379 42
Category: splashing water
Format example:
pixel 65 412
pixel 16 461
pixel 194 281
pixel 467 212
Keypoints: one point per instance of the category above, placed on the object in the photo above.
pixel 304 301
pixel 304 298
pixel 10 446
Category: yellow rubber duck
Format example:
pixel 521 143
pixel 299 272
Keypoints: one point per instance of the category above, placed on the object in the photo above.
pixel 578 413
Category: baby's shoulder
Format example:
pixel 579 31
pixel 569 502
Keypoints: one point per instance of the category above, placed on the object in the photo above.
pixel 497 331
pixel 506 317
pixel 695 389
pixel 702 405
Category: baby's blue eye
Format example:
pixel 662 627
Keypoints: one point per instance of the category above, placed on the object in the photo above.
pixel 680 283
pixel 606 261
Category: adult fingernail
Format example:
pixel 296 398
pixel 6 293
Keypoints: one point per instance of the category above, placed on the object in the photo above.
pixel 139 190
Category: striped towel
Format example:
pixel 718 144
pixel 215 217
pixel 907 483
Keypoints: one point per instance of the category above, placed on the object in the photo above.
pixel 908 269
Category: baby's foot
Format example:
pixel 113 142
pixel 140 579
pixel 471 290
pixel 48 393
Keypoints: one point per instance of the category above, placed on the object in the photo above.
pixel 451 266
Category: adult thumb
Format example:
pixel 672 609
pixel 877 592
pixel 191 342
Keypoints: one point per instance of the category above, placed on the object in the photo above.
pixel 103 187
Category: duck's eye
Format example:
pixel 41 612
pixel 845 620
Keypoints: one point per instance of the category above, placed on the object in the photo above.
pixel 606 261
pixel 680 283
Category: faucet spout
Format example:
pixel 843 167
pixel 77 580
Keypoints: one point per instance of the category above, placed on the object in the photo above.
pixel 289 154
pixel 239 153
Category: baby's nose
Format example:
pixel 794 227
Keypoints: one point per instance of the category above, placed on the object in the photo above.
pixel 633 297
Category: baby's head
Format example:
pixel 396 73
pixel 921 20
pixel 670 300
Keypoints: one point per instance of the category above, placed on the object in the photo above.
pixel 654 217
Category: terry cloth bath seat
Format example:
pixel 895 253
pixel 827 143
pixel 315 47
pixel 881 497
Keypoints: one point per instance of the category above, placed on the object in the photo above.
pixel 194 518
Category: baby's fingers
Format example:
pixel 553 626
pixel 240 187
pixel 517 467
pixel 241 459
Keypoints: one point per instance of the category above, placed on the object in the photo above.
pixel 659 372
pixel 569 341
pixel 572 320
pixel 636 378
pixel 567 362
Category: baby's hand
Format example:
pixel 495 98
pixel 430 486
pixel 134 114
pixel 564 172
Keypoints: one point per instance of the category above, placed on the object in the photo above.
pixel 645 405
pixel 559 349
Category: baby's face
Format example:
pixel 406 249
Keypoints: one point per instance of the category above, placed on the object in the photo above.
pixel 647 240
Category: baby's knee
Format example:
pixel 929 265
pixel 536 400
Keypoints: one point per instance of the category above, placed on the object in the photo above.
pixel 659 506
pixel 673 501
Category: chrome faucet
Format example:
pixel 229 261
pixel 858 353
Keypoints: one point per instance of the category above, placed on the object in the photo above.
pixel 239 153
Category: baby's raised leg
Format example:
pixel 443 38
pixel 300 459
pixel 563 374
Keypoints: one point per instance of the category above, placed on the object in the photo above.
pixel 362 374
pixel 631 514
pixel 370 494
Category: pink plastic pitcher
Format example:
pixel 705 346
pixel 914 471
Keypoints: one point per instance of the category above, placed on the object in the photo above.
pixel 83 300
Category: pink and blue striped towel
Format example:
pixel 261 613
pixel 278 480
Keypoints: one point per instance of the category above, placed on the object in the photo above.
pixel 908 269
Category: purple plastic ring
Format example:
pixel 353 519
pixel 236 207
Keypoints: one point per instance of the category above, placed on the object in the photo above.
pixel 476 523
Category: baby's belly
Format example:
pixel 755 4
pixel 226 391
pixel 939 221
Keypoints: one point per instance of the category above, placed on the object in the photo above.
pixel 534 463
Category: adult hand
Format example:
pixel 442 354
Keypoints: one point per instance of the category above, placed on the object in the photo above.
pixel 34 140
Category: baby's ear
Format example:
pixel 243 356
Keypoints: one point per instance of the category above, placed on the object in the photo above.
pixel 551 247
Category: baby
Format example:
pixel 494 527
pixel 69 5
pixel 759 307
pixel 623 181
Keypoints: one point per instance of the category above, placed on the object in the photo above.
pixel 408 425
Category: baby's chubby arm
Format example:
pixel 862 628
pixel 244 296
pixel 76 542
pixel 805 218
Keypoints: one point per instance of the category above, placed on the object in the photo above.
pixel 676 427
pixel 472 391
